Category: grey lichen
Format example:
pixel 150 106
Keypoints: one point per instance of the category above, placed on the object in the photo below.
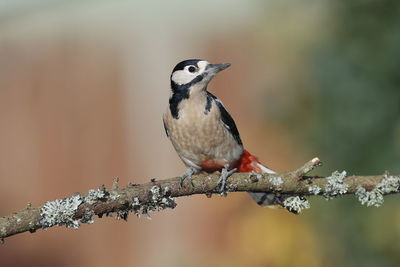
pixel 374 197
pixel 158 200
pixel 336 185
pixel 276 181
pixel 230 188
pixel 114 196
pixel 369 198
pixel 155 193
pixel 136 206
pixel 95 195
pixel 135 202
pixel 60 212
pixel 314 189
pixel 87 217
pixel 389 184
pixel 296 204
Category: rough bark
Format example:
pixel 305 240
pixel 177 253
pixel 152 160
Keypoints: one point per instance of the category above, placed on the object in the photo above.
pixel 157 195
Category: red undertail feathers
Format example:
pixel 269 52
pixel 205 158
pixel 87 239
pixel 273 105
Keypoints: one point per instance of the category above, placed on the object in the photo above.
pixel 249 163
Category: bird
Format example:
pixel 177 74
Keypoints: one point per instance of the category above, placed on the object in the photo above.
pixel 203 132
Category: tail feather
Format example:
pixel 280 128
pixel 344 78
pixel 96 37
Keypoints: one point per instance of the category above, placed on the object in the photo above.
pixel 249 163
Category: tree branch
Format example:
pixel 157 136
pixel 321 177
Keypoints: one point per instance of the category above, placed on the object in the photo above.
pixel 290 187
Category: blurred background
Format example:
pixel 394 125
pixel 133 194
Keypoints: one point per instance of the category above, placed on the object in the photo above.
pixel 83 85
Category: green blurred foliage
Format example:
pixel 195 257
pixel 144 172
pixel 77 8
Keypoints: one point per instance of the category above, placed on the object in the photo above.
pixel 358 117
pixel 358 74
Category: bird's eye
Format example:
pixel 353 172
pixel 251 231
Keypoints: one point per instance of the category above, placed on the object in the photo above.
pixel 192 69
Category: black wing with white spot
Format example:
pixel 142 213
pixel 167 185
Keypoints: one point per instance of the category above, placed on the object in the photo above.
pixel 226 118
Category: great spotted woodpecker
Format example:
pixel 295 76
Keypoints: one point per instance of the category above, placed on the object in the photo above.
pixel 202 131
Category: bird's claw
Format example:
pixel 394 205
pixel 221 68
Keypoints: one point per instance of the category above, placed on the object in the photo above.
pixel 225 173
pixel 188 175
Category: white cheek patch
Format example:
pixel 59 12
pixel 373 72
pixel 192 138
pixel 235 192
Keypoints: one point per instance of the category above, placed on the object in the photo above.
pixel 182 77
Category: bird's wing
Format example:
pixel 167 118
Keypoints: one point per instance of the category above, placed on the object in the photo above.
pixel 226 118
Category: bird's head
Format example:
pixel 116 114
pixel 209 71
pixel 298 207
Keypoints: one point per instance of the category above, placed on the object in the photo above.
pixel 194 74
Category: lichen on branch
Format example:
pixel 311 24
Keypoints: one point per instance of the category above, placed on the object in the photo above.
pixel 292 188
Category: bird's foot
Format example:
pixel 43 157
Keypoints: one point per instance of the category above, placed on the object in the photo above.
pixel 188 175
pixel 225 173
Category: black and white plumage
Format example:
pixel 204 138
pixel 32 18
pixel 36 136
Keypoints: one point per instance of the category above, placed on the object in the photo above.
pixel 225 117
pixel 200 128
pixel 198 125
